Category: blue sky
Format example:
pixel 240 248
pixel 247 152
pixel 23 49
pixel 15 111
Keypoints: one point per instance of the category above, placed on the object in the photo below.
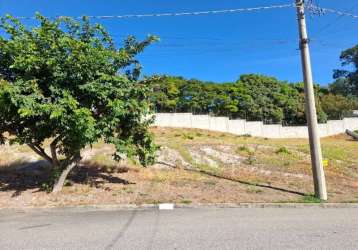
pixel 216 47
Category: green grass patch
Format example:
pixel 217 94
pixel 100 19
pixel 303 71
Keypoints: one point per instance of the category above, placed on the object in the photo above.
pixel 210 183
pixel 254 190
pixel 188 136
pixel 243 148
pixel 310 199
pixel 335 153
pixel 283 150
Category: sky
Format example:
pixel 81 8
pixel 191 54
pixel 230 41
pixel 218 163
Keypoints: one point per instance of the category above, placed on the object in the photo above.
pixel 216 47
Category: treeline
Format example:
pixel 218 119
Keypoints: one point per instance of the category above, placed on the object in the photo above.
pixel 253 97
pixel 257 97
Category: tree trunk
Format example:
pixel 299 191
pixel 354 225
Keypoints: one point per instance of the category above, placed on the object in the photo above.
pixel 352 134
pixel 58 185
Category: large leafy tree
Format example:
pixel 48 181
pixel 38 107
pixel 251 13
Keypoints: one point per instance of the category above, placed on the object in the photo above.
pixel 252 97
pixel 64 83
pixel 338 106
pixel 347 80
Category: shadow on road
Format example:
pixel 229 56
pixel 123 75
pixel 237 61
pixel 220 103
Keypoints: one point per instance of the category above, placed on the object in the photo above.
pixel 121 231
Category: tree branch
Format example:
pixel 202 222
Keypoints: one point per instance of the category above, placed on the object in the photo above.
pixel 40 151
pixel 53 145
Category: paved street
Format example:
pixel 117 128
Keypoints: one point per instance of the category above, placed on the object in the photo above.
pixel 214 228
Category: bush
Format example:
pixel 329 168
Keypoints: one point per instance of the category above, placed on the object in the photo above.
pixel 283 150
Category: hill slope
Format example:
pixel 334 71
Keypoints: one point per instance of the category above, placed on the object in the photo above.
pixel 194 166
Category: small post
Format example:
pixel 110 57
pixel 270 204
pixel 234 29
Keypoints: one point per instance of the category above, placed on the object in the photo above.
pixel 315 145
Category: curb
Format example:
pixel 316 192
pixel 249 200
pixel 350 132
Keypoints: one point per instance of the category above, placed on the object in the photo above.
pixel 114 207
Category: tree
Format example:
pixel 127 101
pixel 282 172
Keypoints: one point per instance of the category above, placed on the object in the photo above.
pixel 252 97
pixel 65 82
pixel 165 96
pixel 347 81
pixel 337 106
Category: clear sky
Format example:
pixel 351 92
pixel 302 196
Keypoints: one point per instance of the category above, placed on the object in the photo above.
pixel 216 47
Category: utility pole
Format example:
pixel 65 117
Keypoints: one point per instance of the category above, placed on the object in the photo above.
pixel 311 116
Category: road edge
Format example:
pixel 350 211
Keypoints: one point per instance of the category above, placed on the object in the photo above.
pixel 113 207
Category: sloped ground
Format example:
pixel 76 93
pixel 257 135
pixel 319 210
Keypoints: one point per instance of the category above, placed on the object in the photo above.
pixel 194 166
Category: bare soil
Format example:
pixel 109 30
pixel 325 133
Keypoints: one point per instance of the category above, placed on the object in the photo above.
pixel 194 166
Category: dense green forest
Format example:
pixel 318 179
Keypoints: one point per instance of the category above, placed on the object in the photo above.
pixel 260 98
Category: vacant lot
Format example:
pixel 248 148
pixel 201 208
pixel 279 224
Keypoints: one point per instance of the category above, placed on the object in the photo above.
pixel 194 166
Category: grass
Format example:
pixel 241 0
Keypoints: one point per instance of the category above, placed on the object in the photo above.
pixel 243 148
pixel 268 170
pixel 283 150
pixel 310 199
pixel 254 190
pixel 286 155
pixel 188 136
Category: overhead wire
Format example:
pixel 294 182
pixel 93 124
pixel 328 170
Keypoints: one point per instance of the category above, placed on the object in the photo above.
pixel 322 11
pixel 312 7
pixel 171 14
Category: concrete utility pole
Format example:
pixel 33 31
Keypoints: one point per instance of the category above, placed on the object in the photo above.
pixel 315 145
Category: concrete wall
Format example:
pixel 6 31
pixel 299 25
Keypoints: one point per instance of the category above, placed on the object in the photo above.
pixel 241 127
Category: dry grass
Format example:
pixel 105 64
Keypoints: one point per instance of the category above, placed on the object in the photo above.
pixel 206 167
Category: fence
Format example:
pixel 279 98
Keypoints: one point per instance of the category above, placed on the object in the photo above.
pixel 242 127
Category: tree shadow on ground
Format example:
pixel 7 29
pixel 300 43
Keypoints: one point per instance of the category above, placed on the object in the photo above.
pixel 238 180
pixel 250 183
pixel 21 176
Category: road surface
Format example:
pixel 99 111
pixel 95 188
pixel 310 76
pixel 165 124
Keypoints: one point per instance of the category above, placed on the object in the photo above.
pixel 210 228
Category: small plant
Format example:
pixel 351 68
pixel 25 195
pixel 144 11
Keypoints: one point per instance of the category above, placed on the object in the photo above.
pixel 253 189
pixel 188 136
pixel 251 158
pixel 311 199
pixel 186 201
pixel 210 183
pixel 47 187
pixel 68 183
pixel 128 190
pixel 283 150
pixel 244 148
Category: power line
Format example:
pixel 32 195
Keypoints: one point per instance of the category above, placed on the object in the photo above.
pixel 208 12
pixel 335 21
pixel 311 7
pixel 321 11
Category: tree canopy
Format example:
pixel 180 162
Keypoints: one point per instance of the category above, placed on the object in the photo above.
pixel 252 97
pixel 347 80
pixel 65 83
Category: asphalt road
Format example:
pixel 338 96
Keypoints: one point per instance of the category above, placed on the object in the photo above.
pixel 213 228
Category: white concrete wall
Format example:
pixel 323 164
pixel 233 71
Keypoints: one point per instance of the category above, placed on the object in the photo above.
pixel 237 126
pixel 241 127
pixel 201 122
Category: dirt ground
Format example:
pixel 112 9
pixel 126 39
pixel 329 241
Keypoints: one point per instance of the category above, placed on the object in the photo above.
pixel 194 166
